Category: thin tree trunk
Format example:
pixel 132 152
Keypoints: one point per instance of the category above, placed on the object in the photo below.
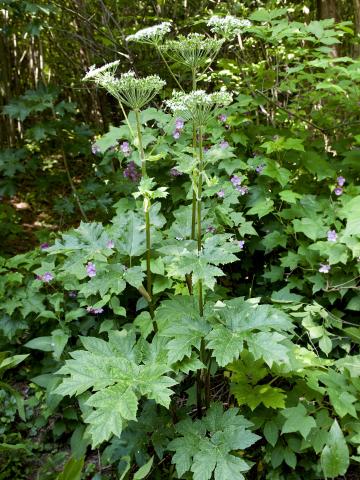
pixel 356 48
pixel 329 9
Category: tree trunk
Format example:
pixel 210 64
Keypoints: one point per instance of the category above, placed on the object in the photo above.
pixel 356 49
pixel 328 9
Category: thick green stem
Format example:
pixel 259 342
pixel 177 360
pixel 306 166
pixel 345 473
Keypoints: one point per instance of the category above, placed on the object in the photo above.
pixel 201 375
pixel 199 239
pixel 147 214
pixel 140 144
pixel 193 216
pixel 148 261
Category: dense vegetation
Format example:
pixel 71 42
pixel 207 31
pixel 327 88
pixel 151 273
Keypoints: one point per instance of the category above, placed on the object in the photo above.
pixel 181 240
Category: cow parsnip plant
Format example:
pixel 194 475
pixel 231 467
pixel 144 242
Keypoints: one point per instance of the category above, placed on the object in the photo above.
pixel 210 329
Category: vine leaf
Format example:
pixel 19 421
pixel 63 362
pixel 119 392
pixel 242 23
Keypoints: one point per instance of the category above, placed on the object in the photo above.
pixel 297 420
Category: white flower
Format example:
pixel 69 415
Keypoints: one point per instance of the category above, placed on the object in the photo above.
pixel 228 26
pixel 136 92
pixel 152 34
pixel 197 105
pixel 95 74
pixel 194 50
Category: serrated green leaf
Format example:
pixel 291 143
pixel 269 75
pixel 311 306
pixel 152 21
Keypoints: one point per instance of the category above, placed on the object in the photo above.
pixel 206 455
pixel 297 420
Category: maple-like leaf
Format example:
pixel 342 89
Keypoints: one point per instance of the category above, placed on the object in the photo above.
pixel 205 446
pixel 117 373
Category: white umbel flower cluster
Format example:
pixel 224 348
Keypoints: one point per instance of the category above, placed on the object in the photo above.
pixel 137 92
pixel 197 106
pixel 228 26
pixel 128 90
pixel 152 35
pixel 97 74
pixel 193 51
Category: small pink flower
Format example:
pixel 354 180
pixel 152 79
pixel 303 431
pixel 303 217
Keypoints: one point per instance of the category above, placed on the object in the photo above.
pixel 221 194
pixel 179 123
pixel 324 268
pixel 341 181
pixel 224 144
pixel 125 148
pixel 235 180
pixel 338 191
pixel 110 244
pixel 46 278
pixel 243 190
pixel 91 269
pixel 94 311
pixel 174 172
pixel 176 134
pixel 331 236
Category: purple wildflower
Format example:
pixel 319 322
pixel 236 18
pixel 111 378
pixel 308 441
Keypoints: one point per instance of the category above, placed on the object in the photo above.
pixel 211 229
pixel 94 311
pixel 243 190
pixel 241 244
pixel 176 134
pixel 131 172
pixel 47 277
pixel 95 149
pixel 73 294
pixel 221 194
pixel 44 246
pixel 331 236
pixel 174 172
pixel 341 181
pixel 110 244
pixel 235 180
pixel 338 191
pixel 222 117
pixel 260 168
pixel 224 144
pixel 91 269
pixel 324 268
pixel 179 123
pixel 125 148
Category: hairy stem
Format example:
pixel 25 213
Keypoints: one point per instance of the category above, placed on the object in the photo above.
pixel 193 216
pixel 148 262
pixel 140 144
pixel 199 239
pixel 147 214
pixel 201 375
